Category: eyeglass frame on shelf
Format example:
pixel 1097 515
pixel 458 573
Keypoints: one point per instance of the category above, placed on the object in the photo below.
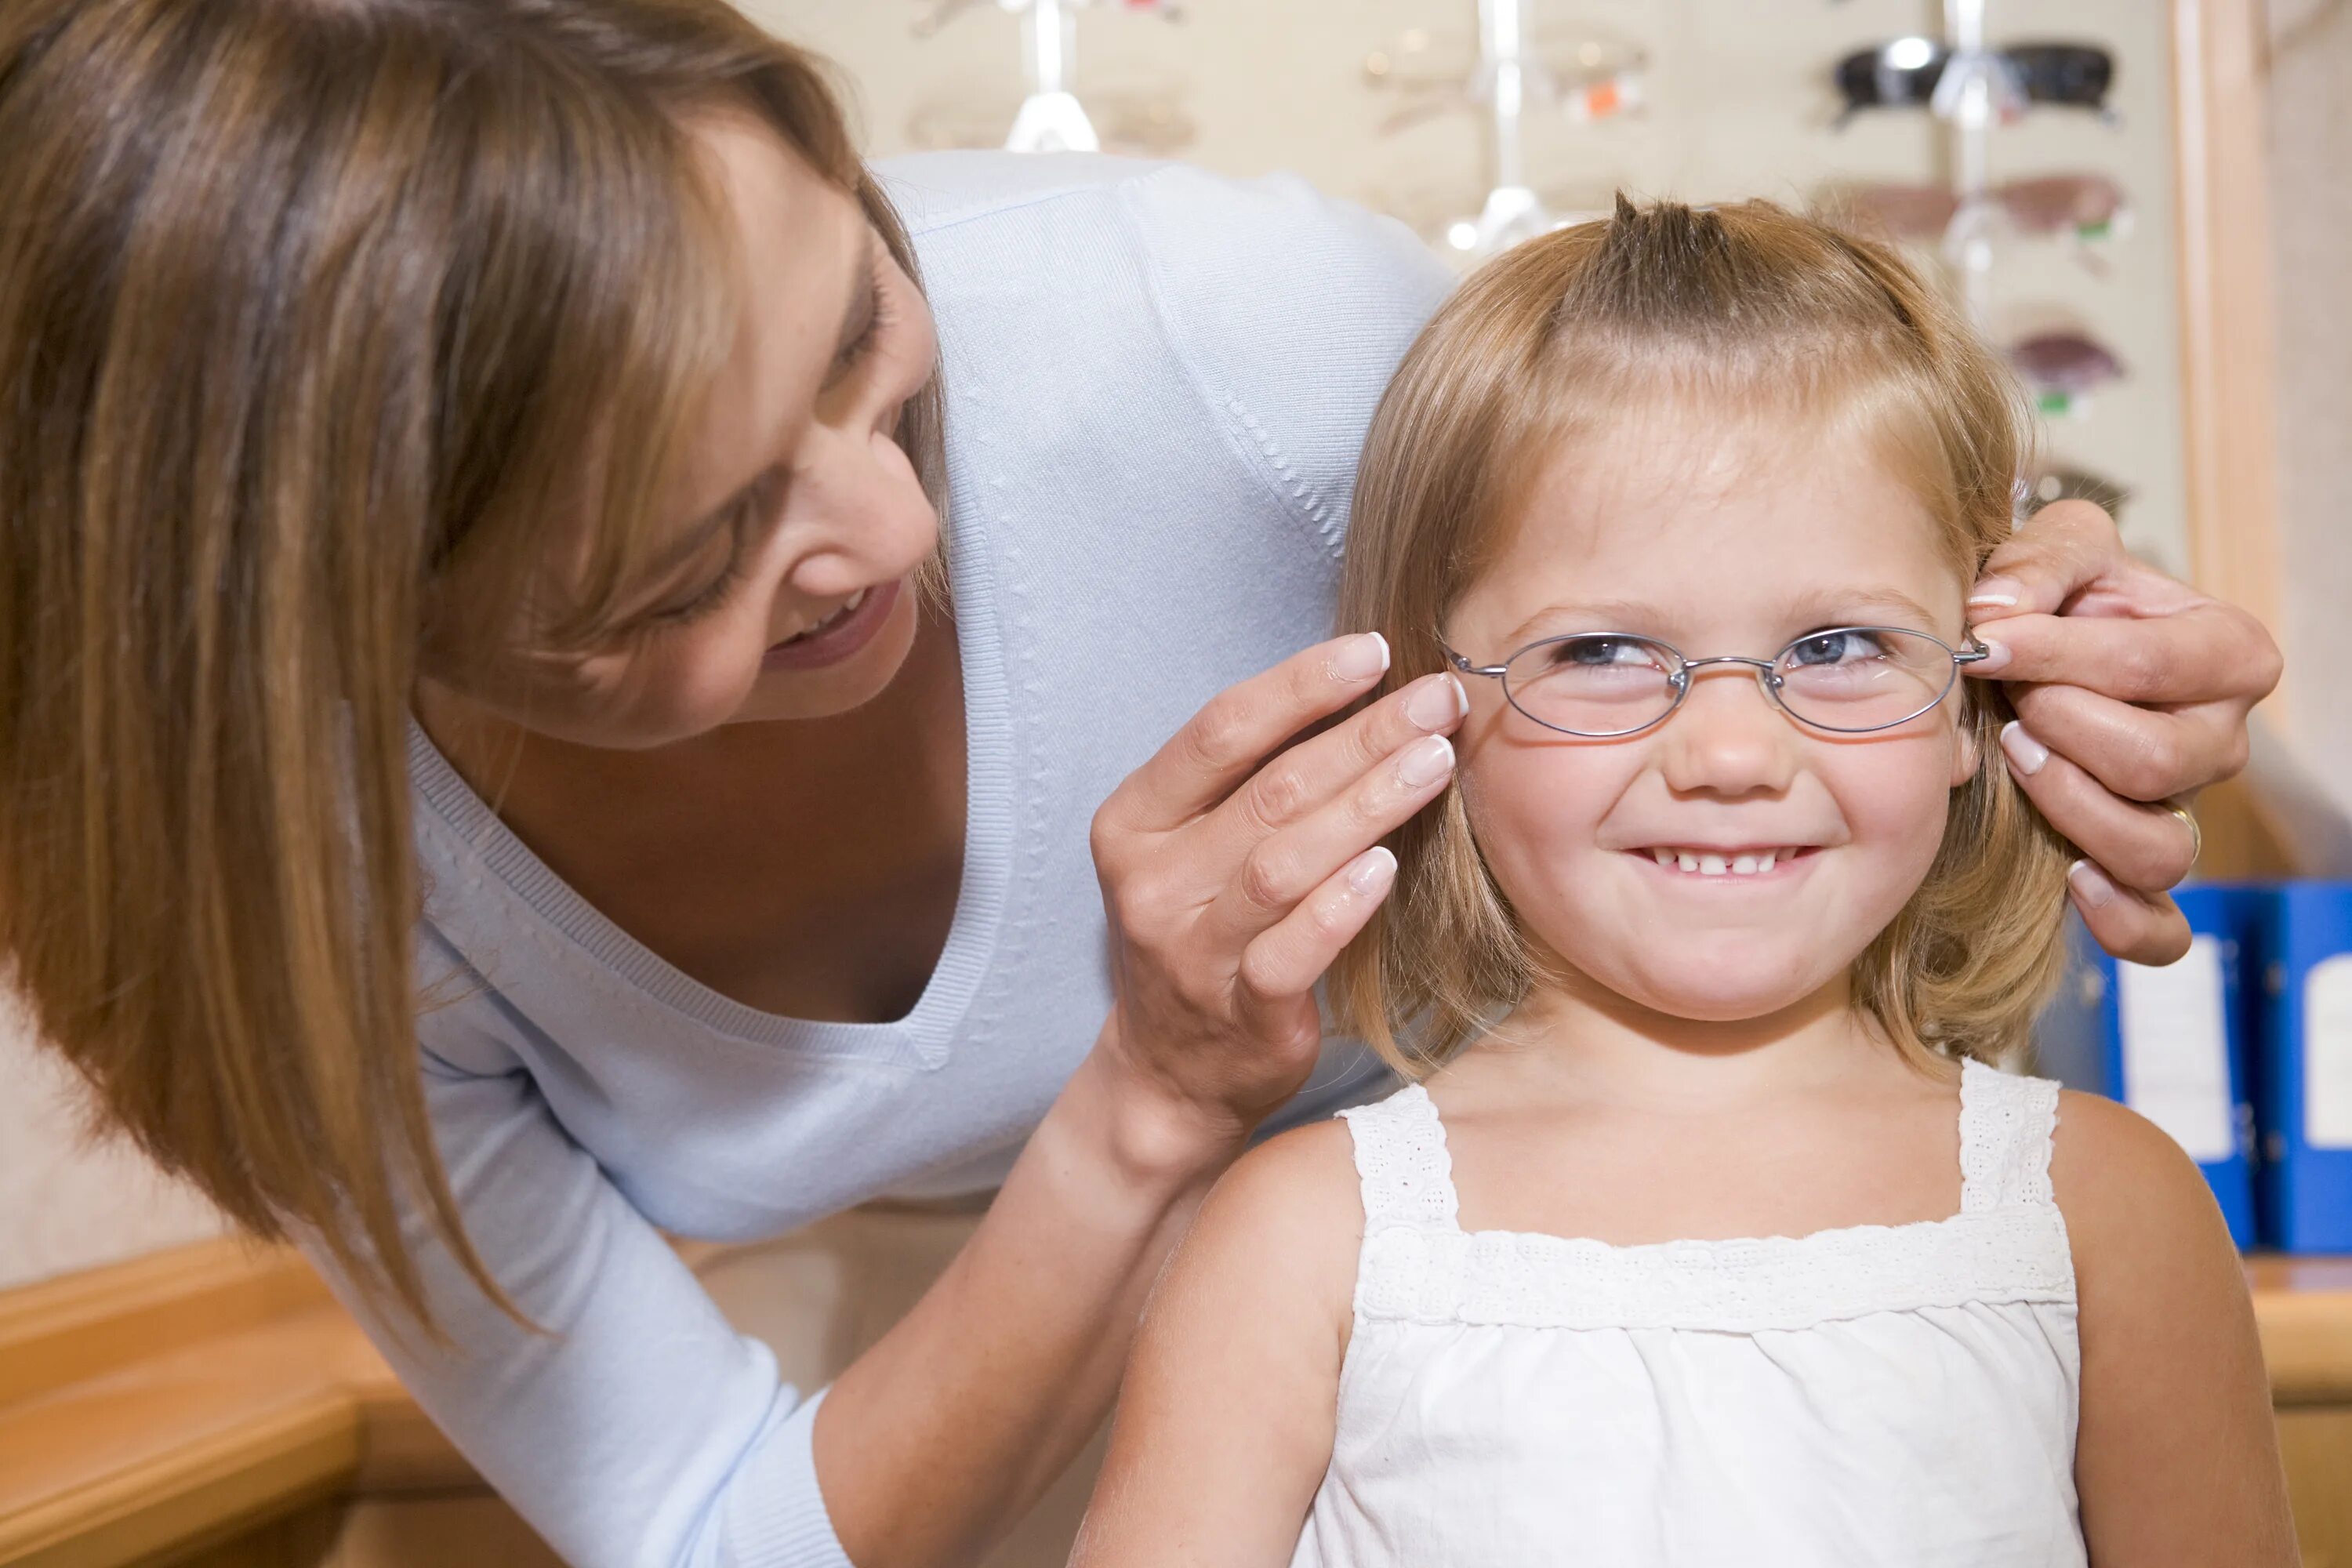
pixel 1766 673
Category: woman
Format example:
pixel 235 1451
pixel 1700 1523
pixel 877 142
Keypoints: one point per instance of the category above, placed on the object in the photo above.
pixel 550 371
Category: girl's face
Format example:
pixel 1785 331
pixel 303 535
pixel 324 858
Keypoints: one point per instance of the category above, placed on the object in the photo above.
pixel 1717 543
pixel 783 551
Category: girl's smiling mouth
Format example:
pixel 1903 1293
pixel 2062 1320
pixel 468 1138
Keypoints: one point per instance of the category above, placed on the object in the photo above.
pixel 1746 861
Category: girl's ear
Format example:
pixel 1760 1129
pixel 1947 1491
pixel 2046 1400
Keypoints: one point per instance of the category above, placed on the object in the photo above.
pixel 1969 755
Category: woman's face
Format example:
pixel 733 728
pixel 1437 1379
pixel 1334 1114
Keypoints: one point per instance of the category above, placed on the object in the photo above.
pixel 789 532
pixel 1624 857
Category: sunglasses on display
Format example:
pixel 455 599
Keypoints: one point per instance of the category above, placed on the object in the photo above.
pixel 2064 368
pixel 2090 206
pixel 1923 73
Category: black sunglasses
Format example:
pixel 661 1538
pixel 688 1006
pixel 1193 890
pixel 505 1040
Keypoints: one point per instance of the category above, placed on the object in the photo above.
pixel 1905 73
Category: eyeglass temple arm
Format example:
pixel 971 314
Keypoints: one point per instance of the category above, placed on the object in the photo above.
pixel 1973 652
pixel 1466 668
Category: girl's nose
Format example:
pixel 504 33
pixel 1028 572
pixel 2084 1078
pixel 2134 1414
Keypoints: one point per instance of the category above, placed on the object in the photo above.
pixel 1729 737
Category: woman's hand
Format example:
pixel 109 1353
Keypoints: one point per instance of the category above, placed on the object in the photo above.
pixel 2131 694
pixel 1235 869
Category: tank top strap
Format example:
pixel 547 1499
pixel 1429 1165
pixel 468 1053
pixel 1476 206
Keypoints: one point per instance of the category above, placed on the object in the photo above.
pixel 1401 1160
pixel 2006 1123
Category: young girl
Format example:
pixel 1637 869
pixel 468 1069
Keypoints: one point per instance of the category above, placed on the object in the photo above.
pixel 1709 1230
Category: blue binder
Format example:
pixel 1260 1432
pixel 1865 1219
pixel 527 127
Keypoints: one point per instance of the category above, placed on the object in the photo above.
pixel 2174 1042
pixel 2304 1081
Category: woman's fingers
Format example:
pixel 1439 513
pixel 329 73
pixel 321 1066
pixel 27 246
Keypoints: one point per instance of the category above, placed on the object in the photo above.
pixel 2142 753
pixel 2145 848
pixel 1285 960
pixel 2063 548
pixel 1223 743
pixel 2140 928
pixel 1300 781
pixel 2205 653
pixel 1278 870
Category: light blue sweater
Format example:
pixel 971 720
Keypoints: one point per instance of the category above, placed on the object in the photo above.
pixel 1158 382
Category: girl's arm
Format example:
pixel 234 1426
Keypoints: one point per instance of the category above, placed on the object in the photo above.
pixel 1225 1419
pixel 2178 1458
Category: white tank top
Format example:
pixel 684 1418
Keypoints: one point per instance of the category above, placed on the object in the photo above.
pixel 1881 1395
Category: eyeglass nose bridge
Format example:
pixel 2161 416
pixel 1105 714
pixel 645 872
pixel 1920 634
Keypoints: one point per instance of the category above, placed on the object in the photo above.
pixel 1767 672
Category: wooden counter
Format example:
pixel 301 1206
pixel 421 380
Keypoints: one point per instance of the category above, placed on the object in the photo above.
pixel 212 1407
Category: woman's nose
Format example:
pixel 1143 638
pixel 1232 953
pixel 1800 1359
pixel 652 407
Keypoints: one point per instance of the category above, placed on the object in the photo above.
pixel 1729 737
pixel 872 519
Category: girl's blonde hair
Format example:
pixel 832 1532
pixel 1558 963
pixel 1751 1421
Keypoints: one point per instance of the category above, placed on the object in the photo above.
pixel 304 303
pixel 1745 310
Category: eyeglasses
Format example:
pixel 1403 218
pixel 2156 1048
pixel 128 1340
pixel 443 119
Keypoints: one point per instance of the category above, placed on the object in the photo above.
pixel 2064 369
pixel 1911 73
pixel 1848 680
pixel 2092 206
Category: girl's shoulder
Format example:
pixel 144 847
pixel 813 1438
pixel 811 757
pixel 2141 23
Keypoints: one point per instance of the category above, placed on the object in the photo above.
pixel 2137 1210
pixel 1281 1228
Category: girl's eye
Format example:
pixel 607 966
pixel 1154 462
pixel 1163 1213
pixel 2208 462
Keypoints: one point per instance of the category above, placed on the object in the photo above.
pixel 1836 648
pixel 1594 653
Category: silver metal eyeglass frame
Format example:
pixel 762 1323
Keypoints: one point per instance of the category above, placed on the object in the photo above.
pixel 1767 672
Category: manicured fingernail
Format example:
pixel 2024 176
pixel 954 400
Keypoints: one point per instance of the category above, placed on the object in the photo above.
pixel 1995 591
pixel 2026 754
pixel 2090 885
pixel 1374 869
pixel 1995 660
pixel 1425 762
pixel 1436 702
pixel 1360 657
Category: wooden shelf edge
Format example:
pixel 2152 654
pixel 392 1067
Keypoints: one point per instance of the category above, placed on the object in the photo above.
pixel 65 1330
pixel 216 1484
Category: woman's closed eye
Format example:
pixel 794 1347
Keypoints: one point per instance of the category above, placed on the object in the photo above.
pixel 712 592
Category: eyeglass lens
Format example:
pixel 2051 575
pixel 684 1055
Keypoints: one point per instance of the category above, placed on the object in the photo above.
pixel 1850 680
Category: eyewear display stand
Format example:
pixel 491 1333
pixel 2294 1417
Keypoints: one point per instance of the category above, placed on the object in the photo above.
pixel 1512 76
pixel 1051 118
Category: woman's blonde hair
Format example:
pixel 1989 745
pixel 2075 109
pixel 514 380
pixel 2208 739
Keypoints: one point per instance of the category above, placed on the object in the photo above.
pixel 302 304
pixel 1745 311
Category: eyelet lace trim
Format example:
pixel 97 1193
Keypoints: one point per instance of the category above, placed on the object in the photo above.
pixel 2008 1244
pixel 2005 1127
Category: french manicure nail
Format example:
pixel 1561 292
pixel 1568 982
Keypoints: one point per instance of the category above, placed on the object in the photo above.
pixel 1996 658
pixel 2090 885
pixel 1360 657
pixel 2026 754
pixel 1436 703
pixel 1425 762
pixel 1374 869
pixel 1995 591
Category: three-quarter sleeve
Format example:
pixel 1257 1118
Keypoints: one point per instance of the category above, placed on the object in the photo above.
pixel 639 1429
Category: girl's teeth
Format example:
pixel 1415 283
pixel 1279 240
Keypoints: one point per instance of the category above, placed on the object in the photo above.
pixel 1707 865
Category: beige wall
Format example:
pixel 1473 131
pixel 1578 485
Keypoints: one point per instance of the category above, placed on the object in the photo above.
pixel 67 1202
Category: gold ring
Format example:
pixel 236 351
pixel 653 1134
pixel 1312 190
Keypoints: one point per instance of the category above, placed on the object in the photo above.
pixel 2195 833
